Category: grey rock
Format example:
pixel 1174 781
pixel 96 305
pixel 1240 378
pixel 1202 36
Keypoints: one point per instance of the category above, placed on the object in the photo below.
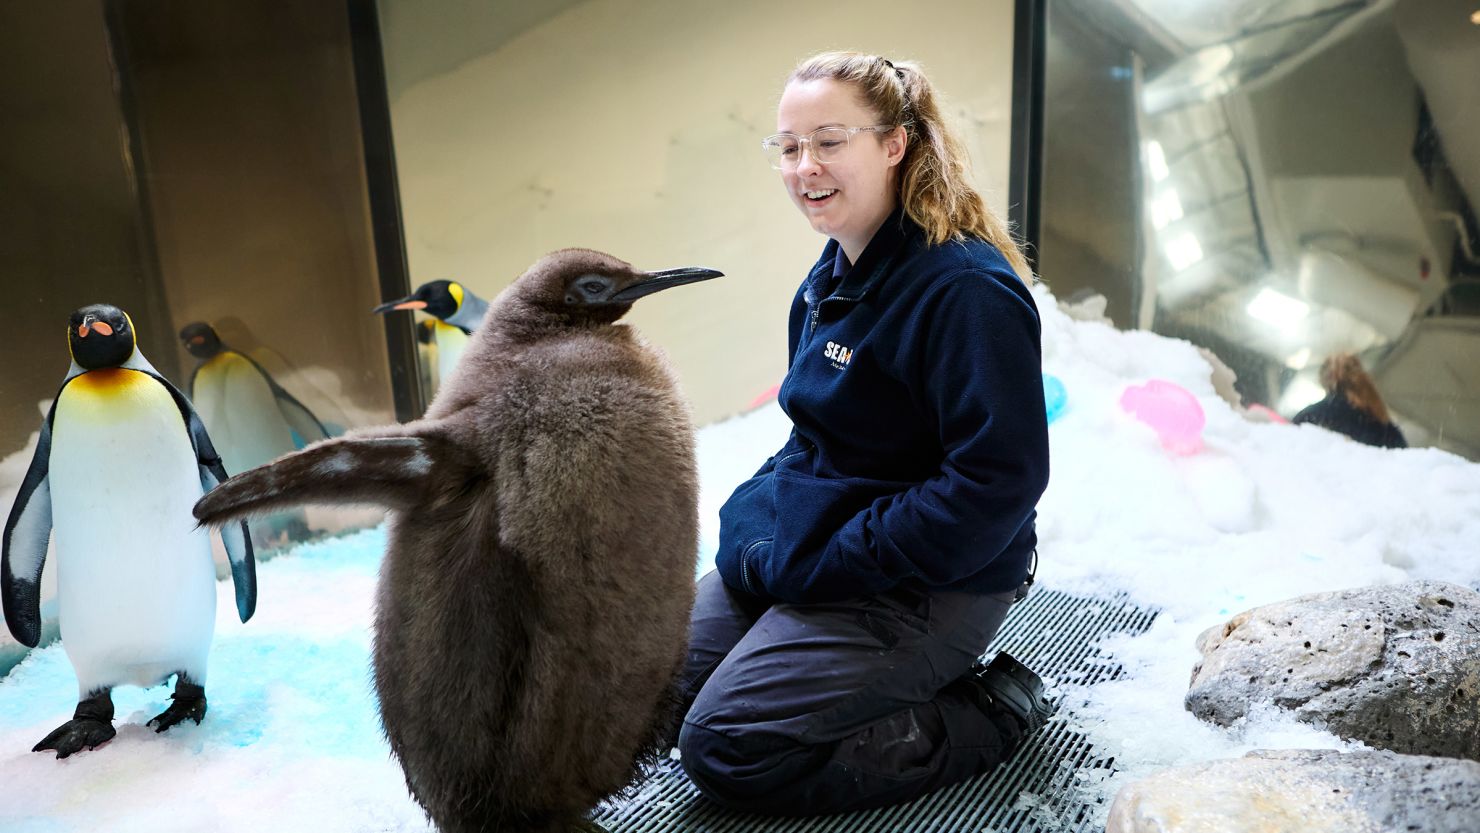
pixel 1305 791
pixel 1396 667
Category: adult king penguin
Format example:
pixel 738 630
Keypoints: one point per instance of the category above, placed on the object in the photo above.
pixel 533 607
pixel 121 459
pixel 457 311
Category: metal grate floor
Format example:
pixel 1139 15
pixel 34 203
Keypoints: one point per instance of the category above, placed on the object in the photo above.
pixel 1055 634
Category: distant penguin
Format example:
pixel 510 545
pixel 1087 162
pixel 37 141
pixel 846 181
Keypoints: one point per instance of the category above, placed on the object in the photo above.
pixel 533 607
pixel 457 311
pixel 121 459
pixel 250 416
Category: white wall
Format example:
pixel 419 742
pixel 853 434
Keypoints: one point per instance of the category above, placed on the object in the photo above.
pixel 633 126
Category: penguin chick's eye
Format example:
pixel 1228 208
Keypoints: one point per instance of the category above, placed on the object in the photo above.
pixel 594 287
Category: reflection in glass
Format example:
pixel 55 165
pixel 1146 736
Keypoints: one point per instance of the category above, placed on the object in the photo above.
pixel 195 166
pixel 190 163
pixel 250 416
pixel 1280 183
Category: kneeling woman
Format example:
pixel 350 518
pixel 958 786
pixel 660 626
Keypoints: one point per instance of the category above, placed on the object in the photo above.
pixel 865 567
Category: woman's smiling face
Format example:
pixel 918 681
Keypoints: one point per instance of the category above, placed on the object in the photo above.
pixel 847 198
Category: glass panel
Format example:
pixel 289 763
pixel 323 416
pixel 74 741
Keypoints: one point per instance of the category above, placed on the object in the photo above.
pixel 522 128
pixel 1280 183
pixel 192 162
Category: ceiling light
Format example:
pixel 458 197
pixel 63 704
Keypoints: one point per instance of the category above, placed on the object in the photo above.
pixel 1277 308
pixel 1475 17
pixel 1209 63
pixel 1166 208
pixel 1156 161
pixel 1183 251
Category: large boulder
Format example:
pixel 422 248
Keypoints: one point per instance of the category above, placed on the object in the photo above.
pixel 1396 667
pixel 1304 791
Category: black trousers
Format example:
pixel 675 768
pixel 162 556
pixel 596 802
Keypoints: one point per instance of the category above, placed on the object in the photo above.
pixel 825 708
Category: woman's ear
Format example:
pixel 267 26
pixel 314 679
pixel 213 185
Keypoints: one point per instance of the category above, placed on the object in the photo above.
pixel 895 143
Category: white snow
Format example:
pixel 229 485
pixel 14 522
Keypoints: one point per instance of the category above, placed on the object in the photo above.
pixel 1263 513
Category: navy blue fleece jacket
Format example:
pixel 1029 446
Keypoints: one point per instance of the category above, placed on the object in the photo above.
pixel 920 443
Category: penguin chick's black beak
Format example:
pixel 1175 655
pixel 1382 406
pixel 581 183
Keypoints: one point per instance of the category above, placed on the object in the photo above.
pixel 409 302
pixel 666 279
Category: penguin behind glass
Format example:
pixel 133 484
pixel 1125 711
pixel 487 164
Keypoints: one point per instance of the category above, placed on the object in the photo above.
pixel 532 614
pixel 251 417
pixel 121 458
pixel 234 391
pixel 457 313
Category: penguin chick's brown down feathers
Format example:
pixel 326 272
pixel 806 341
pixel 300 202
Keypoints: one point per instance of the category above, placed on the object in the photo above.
pixel 532 614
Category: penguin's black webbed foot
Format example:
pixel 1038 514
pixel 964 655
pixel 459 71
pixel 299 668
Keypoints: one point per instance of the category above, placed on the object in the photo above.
pixel 91 726
pixel 76 735
pixel 189 704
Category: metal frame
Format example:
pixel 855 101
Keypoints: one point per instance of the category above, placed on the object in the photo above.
pixel 1025 167
pixel 161 342
pixel 384 193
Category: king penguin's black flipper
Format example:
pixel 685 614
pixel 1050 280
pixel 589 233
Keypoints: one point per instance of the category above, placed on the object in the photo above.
pixel 27 532
pixel 236 539
pixel 385 471
pixel 295 413
pixel 299 417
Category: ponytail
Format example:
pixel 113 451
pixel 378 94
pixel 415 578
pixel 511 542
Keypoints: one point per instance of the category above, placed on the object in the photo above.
pixel 1342 373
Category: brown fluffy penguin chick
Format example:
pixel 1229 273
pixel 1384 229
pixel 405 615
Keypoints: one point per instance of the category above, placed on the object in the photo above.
pixel 533 606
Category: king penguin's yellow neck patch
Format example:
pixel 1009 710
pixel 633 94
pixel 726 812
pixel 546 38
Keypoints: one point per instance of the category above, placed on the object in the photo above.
pixel 108 380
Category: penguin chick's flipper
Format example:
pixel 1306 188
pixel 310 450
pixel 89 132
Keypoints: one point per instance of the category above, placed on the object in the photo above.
pixel 23 553
pixel 386 471
pixel 91 726
pixel 187 703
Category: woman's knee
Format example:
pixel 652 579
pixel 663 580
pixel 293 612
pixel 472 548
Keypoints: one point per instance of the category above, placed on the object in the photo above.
pixel 714 763
pixel 754 773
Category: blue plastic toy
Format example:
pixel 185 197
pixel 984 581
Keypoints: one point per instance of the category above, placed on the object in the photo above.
pixel 1055 397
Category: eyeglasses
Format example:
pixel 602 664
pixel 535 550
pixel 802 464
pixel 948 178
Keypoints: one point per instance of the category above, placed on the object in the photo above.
pixel 784 150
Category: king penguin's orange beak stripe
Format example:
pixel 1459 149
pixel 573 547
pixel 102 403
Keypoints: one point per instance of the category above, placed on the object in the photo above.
pixel 82 331
pixel 411 305
pixel 102 328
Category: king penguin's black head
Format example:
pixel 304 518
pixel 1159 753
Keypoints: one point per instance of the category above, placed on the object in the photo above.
pixel 99 336
pixel 200 339
pixel 439 298
pixel 584 285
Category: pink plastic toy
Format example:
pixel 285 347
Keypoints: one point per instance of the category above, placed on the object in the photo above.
pixel 1171 410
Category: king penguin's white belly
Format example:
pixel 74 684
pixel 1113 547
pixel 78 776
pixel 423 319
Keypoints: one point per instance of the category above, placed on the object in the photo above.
pixel 450 343
pixel 240 413
pixel 135 582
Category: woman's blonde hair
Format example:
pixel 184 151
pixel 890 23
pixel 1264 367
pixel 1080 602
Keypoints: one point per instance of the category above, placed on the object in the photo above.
pixel 1342 373
pixel 934 185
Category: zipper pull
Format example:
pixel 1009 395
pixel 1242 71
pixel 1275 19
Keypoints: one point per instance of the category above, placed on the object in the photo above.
pixel 815 308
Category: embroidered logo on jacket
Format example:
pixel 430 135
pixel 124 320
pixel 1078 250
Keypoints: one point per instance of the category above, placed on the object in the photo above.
pixel 838 354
